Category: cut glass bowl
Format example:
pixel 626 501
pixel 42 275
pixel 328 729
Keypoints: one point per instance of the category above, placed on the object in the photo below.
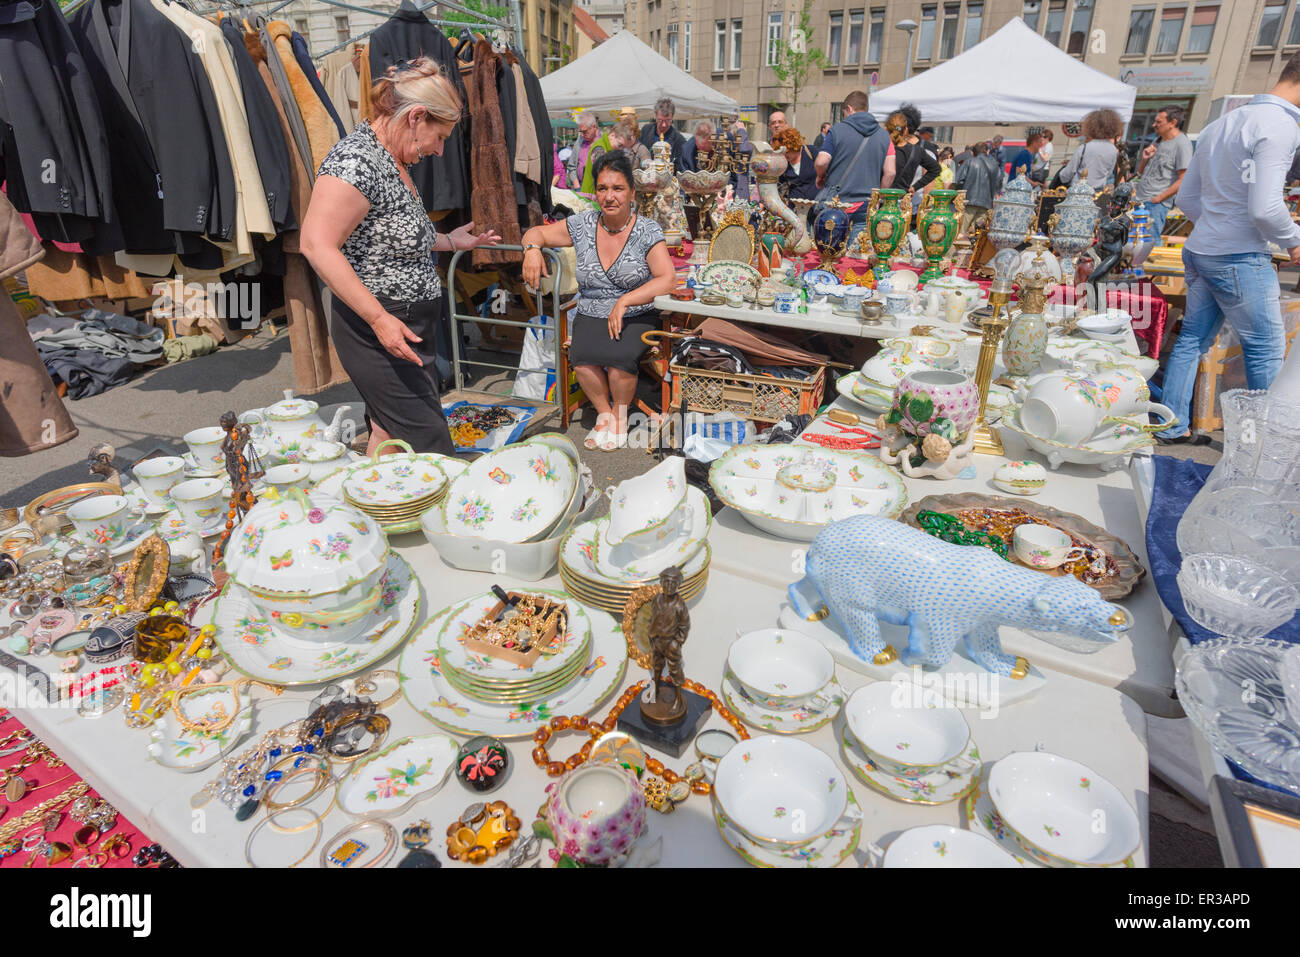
pixel 1233 596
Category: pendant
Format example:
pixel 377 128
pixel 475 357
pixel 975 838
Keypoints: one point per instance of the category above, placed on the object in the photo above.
pixel 247 809
pixel 57 853
pixel 15 788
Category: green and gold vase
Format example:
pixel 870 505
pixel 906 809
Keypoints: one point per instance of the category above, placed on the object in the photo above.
pixel 940 217
pixel 886 226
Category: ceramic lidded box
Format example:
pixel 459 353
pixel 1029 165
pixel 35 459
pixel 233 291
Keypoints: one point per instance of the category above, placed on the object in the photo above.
pixel 596 813
pixel 1020 478
pixel 314 565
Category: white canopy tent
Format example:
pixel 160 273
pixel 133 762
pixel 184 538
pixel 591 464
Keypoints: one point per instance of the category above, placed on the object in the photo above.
pixel 1015 76
pixel 624 72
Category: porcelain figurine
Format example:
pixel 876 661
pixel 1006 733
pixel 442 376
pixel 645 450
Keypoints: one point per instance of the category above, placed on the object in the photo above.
pixel 865 570
pixel 1112 237
pixel 938 456
pixel 284 429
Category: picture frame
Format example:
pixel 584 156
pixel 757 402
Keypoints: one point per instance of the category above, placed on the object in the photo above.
pixel 1243 812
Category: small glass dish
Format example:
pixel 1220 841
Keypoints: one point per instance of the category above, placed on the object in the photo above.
pixel 1235 597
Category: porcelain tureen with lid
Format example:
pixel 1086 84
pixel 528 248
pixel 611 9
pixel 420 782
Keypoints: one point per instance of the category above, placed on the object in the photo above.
pixel 313 565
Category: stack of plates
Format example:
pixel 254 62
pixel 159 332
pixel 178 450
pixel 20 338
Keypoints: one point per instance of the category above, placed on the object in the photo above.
pixel 397 489
pixel 611 596
pixel 499 681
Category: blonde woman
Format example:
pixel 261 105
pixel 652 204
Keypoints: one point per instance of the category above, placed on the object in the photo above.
pixel 367 236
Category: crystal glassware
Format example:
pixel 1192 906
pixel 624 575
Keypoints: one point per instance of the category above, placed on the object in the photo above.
pixel 1234 596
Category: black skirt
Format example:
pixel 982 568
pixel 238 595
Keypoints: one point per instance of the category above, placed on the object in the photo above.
pixel 592 345
pixel 401 398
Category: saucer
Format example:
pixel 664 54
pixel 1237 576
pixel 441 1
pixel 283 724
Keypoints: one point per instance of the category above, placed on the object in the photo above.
pixel 192 469
pixel 980 817
pixel 827 851
pixel 796 721
pixel 844 386
pixel 181 749
pixel 136 534
pixel 140 501
pixel 940 787
pixel 253 647
pixel 171 525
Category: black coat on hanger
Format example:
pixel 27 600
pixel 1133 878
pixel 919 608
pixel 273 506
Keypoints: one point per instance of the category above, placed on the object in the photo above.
pixel 443 181
pixel 54 146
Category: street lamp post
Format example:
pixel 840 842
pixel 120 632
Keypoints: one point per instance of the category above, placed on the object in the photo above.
pixel 910 27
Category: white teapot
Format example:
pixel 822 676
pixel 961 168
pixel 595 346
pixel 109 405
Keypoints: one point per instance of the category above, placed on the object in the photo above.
pixel 285 430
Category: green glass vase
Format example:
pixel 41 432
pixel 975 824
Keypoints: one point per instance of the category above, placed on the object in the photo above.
pixel 886 225
pixel 938 227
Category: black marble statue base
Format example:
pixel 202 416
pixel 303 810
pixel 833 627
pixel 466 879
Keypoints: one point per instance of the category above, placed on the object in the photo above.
pixel 673 739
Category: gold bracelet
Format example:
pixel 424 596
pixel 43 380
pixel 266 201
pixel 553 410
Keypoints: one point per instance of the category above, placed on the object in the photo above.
pixel 366 686
pixel 323 779
pixel 270 818
pixel 36 815
pixel 248 845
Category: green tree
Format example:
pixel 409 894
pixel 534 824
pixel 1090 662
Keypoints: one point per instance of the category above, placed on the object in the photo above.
pixel 798 60
pixel 495 13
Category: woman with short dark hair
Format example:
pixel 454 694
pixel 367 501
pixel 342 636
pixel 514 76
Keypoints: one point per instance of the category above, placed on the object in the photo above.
pixel 1098 153
pixel 623 264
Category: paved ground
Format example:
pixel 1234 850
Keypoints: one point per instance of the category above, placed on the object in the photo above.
pixel 160 406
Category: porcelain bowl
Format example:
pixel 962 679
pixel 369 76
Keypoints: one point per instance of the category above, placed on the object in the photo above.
pixel 780 792
pixel 780 669
pixel 513 494
pixel 312 564
pixel 596 813
pixel 942 845
pixel 906 740
pixel 647 501
pixel 929 393
pixel 886 368
pixel 1053 805
pixel 1106 323
pixel 1234 596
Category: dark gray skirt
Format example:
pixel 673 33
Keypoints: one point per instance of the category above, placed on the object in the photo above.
pixel 401 398
pixel 592 345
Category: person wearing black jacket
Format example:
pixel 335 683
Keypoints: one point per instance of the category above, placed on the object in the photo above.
pixel 663 127
pixel 799 180
pixel 443 181
pixel 917 161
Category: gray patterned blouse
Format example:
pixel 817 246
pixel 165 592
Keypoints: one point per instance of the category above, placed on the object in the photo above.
pixel 598 288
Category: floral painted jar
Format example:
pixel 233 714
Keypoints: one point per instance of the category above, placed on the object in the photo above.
pixel 314 566
pixel 1025 343
pixel 595 814
pixel 929 394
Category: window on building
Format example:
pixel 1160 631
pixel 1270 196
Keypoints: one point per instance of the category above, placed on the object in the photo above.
pixel 876 38
pixel 541 24
pixel 735 43
pixel 300 24
pixel 1080 27
pixel 564 33
pixel 948 34
pixel 1031 12
pixel 853 49
pixel 1171 29
pixel 686 48
pixel 974 25
pixel 555 24
pixel 341 29
pixel 672 44
pixel 719 45
pixel 925 42
pixel 775 21
pixel 1139 31
pixel 1055 22
pixel 835 38
pixel 1201 35
pixel 1270 24
pixel 1293 37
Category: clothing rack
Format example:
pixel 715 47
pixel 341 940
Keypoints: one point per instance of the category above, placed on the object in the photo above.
pixel 480 21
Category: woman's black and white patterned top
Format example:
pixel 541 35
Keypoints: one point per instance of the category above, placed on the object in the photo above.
pixel 391 250
pixel 598 288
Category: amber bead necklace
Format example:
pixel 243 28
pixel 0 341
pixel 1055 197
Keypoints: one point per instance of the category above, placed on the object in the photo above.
pixel 597 728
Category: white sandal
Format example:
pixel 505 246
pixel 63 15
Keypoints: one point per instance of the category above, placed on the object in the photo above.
pixel 599 438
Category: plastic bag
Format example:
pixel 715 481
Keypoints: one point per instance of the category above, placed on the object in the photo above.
pixel 536 376
pixel 708 436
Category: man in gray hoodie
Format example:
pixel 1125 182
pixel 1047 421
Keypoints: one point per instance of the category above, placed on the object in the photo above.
pixel 854 158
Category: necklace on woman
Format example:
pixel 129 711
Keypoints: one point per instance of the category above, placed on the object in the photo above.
pixel 614 232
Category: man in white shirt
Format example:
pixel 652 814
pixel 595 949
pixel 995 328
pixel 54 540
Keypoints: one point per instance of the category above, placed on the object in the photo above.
pixel 1232 192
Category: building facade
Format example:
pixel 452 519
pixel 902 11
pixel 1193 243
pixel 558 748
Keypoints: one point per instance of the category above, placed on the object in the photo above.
pixel 1192 53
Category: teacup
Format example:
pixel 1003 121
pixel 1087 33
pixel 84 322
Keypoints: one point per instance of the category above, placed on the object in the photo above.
pixel 284 477
pixel 782 669
pixel 157 476
pixel 201 501
pixel 871 311
pixel 909 742
pixel 854 297
pixel 102 520
pixel 899 303
pixel 940 845
pixel 205 446
pixel 1041 546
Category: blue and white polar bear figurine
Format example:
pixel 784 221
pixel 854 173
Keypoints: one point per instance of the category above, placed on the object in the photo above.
pixel 865 569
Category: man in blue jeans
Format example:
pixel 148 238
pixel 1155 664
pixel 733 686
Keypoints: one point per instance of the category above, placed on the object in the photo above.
pixel 1232 191
pixel 1163 165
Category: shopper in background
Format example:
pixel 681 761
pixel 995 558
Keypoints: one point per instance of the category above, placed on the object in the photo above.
pixel 821 135
pixel 695 151
pixel 775 124
pixel 998 153
pixel 916 161
pixel 948 169
pixel 1226 260
pixel 981 177
pixel 800 176
pixel 1163 166
pixel 1041 170
pixel 1025 158
pixel 627 138
pixel 662 127
pixel 854 159
pixel 1097 155
pixel 581 158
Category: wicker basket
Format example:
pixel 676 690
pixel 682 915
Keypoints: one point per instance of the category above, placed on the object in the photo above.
pixel 759 397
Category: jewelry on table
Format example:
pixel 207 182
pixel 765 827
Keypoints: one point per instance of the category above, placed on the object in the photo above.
pixel 316 819
pixel 482 831
pixel 277 779
pixel 116 843
pixel 414 839
pixel 367 686
pixel 34 815
pixel 662 795
pixel 242 779
pixel 94 811
pixel 343 849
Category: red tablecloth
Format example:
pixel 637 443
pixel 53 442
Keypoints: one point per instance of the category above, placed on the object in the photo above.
pixel 44 783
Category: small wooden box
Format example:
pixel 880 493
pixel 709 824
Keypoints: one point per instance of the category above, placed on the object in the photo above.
pixel 489 636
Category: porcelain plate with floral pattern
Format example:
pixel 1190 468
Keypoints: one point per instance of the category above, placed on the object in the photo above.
pixel 980 816
pixel 795 721
pixel 512 494
pixel 396 777
pixel 827 851
pixel 873 400
pixel 576 641
pixel 728 275
pixel 941 787
pixel 184 750
pixel 255 649
pixel 394 480
pixel 429 693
